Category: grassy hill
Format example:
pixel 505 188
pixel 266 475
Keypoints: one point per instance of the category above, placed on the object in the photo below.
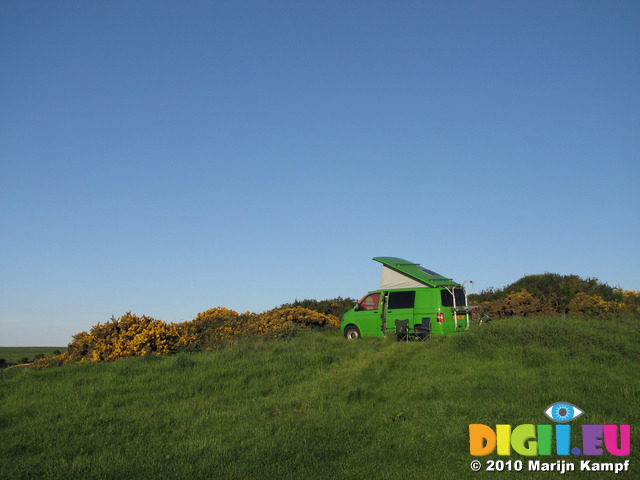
pixel 16 354
pixel 318 406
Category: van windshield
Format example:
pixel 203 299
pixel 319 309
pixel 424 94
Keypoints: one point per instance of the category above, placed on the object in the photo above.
pixel 447 298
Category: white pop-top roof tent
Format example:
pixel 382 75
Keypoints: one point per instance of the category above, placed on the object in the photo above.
pixel 400 273
pixel 393 279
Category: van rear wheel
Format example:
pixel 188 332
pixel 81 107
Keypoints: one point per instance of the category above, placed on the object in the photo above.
pixel 351 333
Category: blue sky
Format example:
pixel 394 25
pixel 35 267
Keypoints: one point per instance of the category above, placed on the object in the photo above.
pixel 168 157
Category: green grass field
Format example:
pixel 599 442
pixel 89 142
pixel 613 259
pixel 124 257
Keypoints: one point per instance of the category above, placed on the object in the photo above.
pixel 15 354
pixel 320 407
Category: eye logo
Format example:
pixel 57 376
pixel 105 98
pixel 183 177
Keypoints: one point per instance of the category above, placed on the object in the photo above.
pixel 563 412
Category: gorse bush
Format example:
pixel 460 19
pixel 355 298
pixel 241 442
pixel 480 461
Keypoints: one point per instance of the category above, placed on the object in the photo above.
pixel 131 335
pixel 286 322
pixel 210 328
pixel 594 305
pixel 127 336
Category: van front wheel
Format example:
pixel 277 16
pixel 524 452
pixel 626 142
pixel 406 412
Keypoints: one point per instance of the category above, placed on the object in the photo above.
pixel 351 332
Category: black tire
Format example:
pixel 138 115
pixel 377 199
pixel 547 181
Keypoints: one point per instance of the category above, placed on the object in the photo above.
pixel 351 332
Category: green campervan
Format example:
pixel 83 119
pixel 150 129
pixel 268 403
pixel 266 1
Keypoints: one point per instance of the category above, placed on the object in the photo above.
pixel 412 303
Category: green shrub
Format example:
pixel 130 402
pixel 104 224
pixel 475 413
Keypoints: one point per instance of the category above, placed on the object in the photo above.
pixel 550 294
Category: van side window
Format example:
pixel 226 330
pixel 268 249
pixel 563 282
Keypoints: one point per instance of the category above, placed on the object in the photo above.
pixel 401 299
pixel 370 302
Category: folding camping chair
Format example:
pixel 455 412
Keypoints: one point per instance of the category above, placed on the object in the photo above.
pixel 402 330
pixel 424 330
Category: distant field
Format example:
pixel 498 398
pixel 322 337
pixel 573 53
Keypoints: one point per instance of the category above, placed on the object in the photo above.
pixel 15 354
pixel 320 407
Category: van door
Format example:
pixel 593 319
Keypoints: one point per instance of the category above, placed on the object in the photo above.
pixel 455 301
pixel 366 315
pixel 400 306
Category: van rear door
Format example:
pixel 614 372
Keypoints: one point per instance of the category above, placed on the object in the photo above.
pixel 456 299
